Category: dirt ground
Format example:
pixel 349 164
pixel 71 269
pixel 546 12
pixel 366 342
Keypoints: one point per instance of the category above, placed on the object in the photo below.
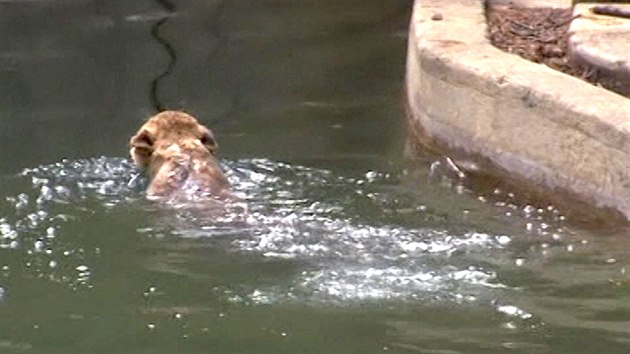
pixel 540 35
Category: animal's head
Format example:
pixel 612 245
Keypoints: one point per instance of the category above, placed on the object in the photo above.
pixel 168 134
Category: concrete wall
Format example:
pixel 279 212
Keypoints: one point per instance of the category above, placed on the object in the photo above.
pixel 537 124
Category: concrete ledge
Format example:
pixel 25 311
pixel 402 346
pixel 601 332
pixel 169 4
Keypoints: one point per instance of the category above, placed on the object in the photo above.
pixel 533 3
pixel 602 42
pixel 537 124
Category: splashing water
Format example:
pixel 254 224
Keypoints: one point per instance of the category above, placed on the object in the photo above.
pixel 323 222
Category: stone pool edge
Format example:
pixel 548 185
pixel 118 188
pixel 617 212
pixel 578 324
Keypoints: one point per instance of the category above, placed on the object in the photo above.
pixel 532 122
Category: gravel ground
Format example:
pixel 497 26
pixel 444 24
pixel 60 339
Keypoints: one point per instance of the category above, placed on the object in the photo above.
pixel 540 35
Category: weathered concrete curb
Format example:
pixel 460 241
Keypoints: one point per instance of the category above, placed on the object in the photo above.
pixel 529 120
pixel 602 42
pixel 533 3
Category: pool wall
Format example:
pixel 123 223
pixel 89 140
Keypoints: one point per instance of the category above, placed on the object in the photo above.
pixel 534 123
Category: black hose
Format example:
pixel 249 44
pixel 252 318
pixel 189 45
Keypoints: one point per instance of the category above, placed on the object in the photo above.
pixel 155 33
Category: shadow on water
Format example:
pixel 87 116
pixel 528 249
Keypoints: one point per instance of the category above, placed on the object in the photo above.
pixel 343 246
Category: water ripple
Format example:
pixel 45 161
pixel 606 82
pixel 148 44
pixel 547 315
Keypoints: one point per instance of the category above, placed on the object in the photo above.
pixel 332 227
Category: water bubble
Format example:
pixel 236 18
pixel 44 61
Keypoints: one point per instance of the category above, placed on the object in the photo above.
pixel 38 182
pixel 107 188
pixel 21 201
pixel 371 176
pixel 50 232
pixel 45 194
pixel 6 231
pixel 514 311
pixel 504 239
pixel 63 193
pixel 39 246
pixel 509 325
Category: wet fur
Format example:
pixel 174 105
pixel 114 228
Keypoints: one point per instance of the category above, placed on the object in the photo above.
pixel 179 156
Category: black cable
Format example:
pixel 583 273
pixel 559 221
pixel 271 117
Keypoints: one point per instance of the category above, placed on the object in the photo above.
pixel 155 33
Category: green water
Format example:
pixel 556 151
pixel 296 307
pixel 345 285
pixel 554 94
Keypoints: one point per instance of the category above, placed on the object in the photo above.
pixel 345 246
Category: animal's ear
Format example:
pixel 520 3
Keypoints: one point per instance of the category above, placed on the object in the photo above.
pixel 207 139
pixel 141 147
